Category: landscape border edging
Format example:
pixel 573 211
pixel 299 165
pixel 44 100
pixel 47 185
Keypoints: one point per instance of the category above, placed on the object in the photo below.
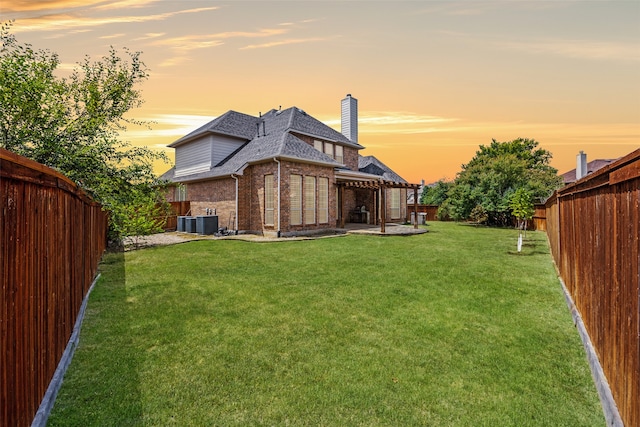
pixel 609 407
pixel 42 415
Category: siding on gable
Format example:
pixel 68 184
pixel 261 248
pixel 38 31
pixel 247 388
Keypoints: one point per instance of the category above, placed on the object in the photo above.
pixel 223 146
pixel 203 154
pixel 193 157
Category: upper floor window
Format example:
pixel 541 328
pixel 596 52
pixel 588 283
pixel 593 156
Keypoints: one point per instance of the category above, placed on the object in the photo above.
pixel 339 154
pixel 328 149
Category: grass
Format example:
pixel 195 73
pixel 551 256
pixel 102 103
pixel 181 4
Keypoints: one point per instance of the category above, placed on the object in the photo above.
pixel 449 328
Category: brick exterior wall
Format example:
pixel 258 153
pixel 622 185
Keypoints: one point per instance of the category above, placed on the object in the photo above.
pixel 351 158
pixel 218 194
pixel 290 168
pixel 403 206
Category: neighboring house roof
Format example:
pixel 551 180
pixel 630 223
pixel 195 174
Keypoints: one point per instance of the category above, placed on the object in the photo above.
pixel 269 136
pixel 592 166
pixel 371 165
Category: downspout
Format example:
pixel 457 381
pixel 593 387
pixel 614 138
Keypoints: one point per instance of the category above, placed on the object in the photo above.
pixel 278 162
pixel 235 222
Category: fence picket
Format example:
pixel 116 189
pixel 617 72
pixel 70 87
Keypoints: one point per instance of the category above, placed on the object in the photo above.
pixel 52 238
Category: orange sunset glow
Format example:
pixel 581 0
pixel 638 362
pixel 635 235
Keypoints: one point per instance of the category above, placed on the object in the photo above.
pixel 434 80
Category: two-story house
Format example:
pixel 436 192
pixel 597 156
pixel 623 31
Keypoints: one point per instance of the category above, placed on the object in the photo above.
pixel 284 173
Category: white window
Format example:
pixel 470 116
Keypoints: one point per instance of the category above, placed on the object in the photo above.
pixel 339 154
pixel 323 200
pixel 295 195
pixel 309 199
pixel 181 193
pixel 395 203
pixel 317 145
pixel 269 200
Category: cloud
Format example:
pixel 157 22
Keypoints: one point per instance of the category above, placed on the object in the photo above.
pixel 125 4
pixel 400 122
pixel 113 36
pixel 477 8
pixel 12 6
pixel 187 43
pixel 582 49
pixel 149 36
pixel 568 48
pixel 176 60
pixel 57 22
pixel 285 42
pixel 169 125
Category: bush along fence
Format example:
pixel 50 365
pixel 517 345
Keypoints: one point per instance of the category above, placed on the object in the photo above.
pixel 593 227
pixel 52 236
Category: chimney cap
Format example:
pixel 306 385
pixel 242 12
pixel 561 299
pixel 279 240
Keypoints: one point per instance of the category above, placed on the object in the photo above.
pixel 349 95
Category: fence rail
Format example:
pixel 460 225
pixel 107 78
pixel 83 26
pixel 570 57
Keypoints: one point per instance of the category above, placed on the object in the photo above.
pixel 594 228
pixel 52 236
pixel 430 211
pixel 177 209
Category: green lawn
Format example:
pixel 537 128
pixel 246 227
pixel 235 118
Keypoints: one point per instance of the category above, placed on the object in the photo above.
pixel 448 328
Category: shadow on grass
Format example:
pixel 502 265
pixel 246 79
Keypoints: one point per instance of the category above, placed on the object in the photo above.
pixel 104 363
pixel 530 248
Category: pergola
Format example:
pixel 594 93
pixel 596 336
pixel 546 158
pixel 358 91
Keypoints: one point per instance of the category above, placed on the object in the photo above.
pixel 379 186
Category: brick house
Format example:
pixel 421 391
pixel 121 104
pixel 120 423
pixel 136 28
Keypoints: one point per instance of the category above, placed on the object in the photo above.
pixel 284 173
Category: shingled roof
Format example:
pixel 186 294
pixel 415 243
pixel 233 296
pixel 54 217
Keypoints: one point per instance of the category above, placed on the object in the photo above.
pixel 370 164
pixel 592 166
pixel 269 136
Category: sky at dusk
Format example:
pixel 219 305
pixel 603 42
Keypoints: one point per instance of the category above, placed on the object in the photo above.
pixel 434 80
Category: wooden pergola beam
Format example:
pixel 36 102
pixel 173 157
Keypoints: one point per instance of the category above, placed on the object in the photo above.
pixel 374 185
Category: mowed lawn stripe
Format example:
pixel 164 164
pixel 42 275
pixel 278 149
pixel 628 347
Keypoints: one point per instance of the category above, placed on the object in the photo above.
pixel 452 327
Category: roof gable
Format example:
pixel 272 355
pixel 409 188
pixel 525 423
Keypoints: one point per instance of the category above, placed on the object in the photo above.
pixel 372 165
pixel 269 136
pixel 592 166
pixel 231 123
pixel 303 123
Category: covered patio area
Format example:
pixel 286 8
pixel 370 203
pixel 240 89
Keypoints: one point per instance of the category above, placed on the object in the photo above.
pixel 377 196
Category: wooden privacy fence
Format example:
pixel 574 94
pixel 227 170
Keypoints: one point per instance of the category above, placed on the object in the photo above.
pixel 430 211
pixel 594 227
pixel 177 209
pixel 52 238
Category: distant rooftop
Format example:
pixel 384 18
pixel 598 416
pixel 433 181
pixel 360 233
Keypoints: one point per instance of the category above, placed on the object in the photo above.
pixel 592 166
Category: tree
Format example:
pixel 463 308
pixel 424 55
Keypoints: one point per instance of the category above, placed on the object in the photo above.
pixel 521 204
pixel 495 173
pixel 73 124
pixel 435 194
